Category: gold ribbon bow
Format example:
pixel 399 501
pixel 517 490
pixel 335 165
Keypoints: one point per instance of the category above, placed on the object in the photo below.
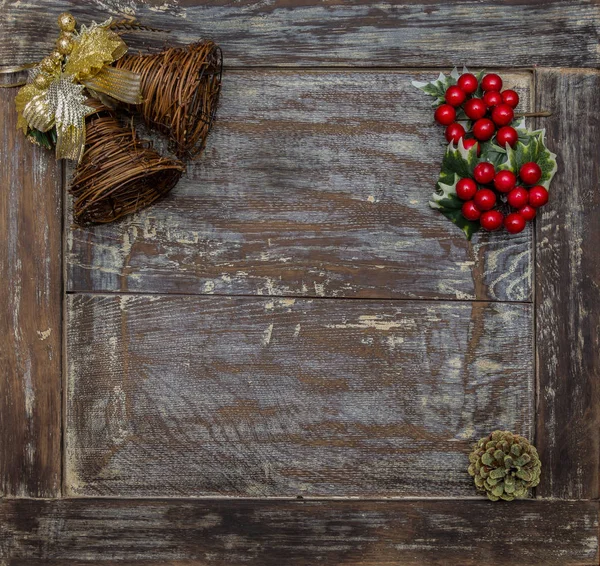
pixel 54 94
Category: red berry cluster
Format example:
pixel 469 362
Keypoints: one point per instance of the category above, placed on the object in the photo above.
pixel 491 114
pixel 491 190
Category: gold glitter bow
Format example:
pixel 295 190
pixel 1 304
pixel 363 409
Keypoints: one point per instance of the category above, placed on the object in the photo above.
pixel 54 94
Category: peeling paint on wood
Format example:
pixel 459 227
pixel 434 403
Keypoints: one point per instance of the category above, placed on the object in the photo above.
pixel 568 290
pixel 280 203
pixel 189 396
pixel 429 33
pixel 30 313
pixel 276 533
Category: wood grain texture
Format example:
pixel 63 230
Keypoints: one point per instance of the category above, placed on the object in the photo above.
pixel 428 33
pixel 568 290
pixel 192 396
pixel 30 313
pixel 312 184
pixel 227 533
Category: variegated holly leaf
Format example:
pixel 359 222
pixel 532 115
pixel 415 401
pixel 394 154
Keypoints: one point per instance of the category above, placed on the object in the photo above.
pixel 457 163
pixel 531 147
pixel 438 88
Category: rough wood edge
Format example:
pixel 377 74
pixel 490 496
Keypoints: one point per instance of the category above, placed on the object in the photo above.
pixel 269 533
pixel 30 314
pixel 567 292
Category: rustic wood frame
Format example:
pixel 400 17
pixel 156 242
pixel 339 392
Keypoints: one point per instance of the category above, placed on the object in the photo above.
pixel 559 526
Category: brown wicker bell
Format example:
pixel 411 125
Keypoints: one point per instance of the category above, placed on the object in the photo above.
pixel 181 87
pixel 119 173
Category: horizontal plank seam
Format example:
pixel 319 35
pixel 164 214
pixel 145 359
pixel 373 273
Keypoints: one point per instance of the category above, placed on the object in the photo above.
pixel 296 297
pixel 290 499
pixel 368 69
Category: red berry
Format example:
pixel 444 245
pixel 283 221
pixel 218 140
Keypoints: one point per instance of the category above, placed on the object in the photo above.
pixel 538 196
pixel 507 135
pixel 483 129
pixel 466 189
pixel 530 173
pixel 468 83
pixel 445 114
pixel 455 95
pixel 514 223
pixel 511 98
pixel 470 211
pixel 492 98
pixel 505 181
pixel 475 108
pixel 485 199
pixel 468 144
pixel 491 220
pixel 454 132
pixel 484 173
pixel 527 212
pixel 517 198
pixel 502 115
pixel 491 82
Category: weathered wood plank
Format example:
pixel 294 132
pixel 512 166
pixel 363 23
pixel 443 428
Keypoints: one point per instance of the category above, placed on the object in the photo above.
pixel 313 184
pixel 30 313
pixel 255 397
pixel 375 533
pixel 568 291
pixel 429 33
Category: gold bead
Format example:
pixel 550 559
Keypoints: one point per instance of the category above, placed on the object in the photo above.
pixel 66 22
pixel 67 34
pixel 64 45
pixel 42 81
pixel 56 56
pixel 48 64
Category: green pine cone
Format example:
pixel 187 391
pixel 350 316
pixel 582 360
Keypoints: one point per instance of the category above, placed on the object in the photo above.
pixel 505 466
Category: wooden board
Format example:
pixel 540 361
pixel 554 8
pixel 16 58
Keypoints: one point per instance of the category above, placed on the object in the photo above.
pixel 313 184
pixel 429 33
pixel 568 290
pixel 257 397
pixel 367 533
pixel 30 313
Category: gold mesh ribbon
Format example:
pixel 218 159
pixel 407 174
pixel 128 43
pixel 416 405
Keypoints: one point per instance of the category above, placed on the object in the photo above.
pixel 94 50
pixel 62 103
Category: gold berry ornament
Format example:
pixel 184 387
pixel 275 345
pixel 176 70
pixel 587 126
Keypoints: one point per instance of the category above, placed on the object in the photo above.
pixel 48 65
pixel 42 81
pixel 505 466
pixel 64 45
pixel 66 22
pixel 56 56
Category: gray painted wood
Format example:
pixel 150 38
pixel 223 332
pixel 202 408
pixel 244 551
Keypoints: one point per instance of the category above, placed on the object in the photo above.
pixel 429 33
pixel 30 313
pixel 193 396
pixel 312 184
pixel 275 533
pixel 568 292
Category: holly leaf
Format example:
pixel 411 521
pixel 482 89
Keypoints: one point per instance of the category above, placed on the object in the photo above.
pixel 457 163
pixel 531 147
pixel 438 87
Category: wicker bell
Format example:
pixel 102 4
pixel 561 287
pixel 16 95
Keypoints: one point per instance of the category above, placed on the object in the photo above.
pixel 118 174
pixel 181 87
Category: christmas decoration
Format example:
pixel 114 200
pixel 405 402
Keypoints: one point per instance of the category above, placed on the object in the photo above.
pixel 495 172
pixel 504 466
pixel 74 99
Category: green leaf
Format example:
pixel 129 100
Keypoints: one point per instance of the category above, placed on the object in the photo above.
pixel 531 147
pixel 437 88
pixel 458 163
pixel 44 139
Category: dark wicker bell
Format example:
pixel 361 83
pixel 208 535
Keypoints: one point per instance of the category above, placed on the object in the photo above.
pixel 180 87
pixel 119 173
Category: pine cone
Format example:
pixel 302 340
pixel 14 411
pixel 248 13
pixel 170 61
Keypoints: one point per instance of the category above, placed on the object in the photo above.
pixel 505 466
